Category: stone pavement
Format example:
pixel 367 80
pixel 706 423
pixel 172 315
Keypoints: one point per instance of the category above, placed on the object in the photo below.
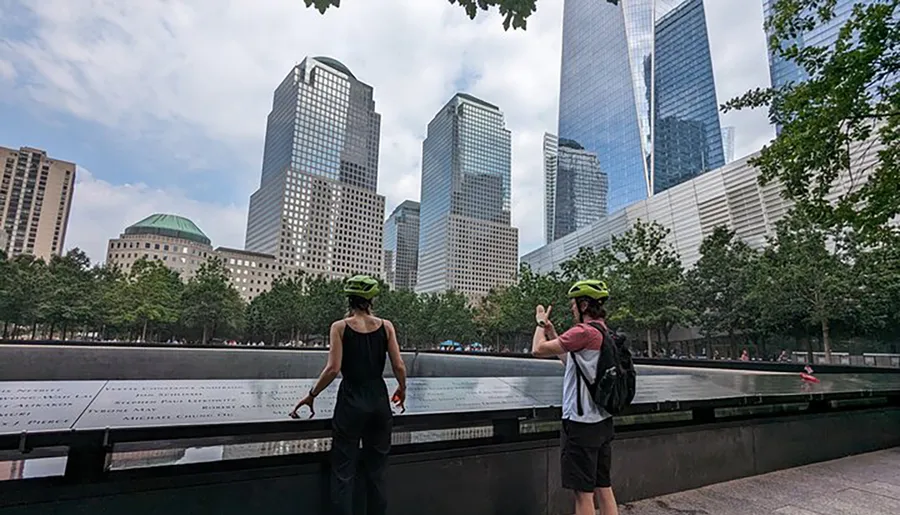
pixel 866 484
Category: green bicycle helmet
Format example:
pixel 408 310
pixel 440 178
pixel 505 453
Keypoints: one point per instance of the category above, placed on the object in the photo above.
pixel 361 286
pixel 591 288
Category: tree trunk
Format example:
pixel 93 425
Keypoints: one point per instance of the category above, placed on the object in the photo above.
pixel 205 333
pixel 649 343
pixel 62 335
pixel 33 330
pixel 804 341
pixel 826 340
pixel 144 331
pixel 5 330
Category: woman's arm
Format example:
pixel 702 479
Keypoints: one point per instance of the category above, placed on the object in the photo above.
pixel 397 365
pixel 331 370
pixel 335 355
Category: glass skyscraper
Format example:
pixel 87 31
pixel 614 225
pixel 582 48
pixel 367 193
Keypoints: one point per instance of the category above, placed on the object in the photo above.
pixel 551 151
pixel 317 209
pixel 466 242
pixel 575 187
pixel 401 246
pixel 825 34
pixel 637 89
pixel 728 143
pixel 581 188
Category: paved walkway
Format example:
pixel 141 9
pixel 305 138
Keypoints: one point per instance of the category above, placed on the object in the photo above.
pixel 866 484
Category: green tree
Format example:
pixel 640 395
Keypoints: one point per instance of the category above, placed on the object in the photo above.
pixel 109 299
pixel 850 98
pixel 719 286
pixel 506 315
pixel 153 295
pixel 284 309
pixel 877 271
pixel 210 302
pixel 403 308
pixel 589 264
pixel 70 289
pixel 323 303
pixel 24 292
pixel 806 284
pixel 446 316
pixel 648 286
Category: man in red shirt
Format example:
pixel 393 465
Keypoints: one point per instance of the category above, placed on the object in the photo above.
pixel 587 429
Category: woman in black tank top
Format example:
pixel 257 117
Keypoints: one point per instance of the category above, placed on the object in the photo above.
pixel 358 347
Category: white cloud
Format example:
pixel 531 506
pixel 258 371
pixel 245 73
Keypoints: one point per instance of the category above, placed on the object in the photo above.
pixel 101 211
pixel 7 71
pixel 740 63
pixel 195 78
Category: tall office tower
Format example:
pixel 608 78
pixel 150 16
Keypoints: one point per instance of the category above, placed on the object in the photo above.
pixel 466 242
pixel 581 188
pixel 637 89
pixel 551 150
pixel 728 143
pixel 316 208
pixel 575 187
pixel 35 199
pixel 401 246
pixel 784 72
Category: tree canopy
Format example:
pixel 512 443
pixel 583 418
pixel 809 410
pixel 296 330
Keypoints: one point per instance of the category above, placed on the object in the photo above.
pixel 515 12
pixel 807 289
pixel 847 105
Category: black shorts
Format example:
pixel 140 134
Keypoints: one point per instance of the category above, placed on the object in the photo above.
pixel 586 455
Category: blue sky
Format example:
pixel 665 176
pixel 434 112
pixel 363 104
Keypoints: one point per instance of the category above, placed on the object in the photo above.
pixel 163 104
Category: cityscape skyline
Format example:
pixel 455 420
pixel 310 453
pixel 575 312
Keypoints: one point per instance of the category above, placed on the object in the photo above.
pixel 466 242
pixel 638 90
pixel 212 194
pixel 575 187
pixel 317 208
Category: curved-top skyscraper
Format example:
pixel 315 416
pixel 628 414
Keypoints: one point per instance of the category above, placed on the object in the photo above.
pixel 637 89
pixel 317 209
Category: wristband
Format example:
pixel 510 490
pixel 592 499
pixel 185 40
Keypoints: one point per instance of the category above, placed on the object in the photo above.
pixel 311 394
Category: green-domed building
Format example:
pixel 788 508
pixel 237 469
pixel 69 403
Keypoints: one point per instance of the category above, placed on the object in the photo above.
pixel 183 247
pixel 172 239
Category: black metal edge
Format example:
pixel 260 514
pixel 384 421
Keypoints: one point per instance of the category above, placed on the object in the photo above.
pixel 300 428
pixel 304 429
pixel 196 474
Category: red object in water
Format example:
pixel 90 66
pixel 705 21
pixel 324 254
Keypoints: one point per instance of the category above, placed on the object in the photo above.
pixel 807 377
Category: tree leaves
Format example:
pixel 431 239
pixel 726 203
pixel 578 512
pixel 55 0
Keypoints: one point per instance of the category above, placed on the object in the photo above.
pixel 515 12
pixel 210 301
pixel 846 111
pixel 720 282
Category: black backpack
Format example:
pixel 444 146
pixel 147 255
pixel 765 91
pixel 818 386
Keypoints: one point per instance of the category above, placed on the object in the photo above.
pixel 616 382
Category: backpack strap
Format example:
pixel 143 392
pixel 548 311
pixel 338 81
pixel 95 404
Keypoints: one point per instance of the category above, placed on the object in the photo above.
pixel 581 376
pixel 603 331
